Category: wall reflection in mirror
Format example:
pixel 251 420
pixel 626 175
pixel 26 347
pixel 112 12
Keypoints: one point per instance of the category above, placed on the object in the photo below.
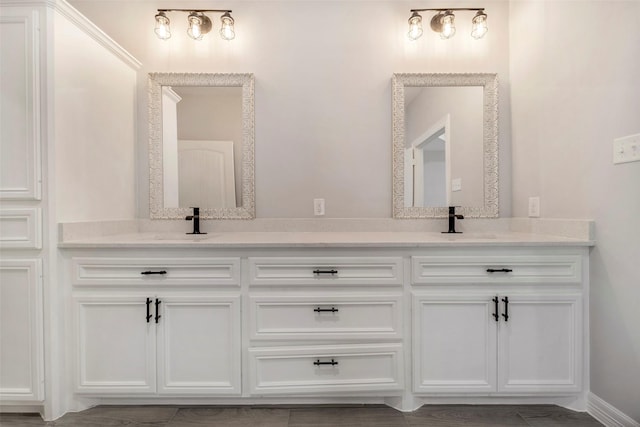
pixel 201 145
pixel 443 154
pixel 445 144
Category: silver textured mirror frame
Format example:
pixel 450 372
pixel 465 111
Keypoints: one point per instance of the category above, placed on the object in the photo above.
pixel 490 142
pixel 156 202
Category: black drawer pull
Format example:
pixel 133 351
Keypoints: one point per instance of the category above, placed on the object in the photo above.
pixel 318 272
pixel 322 310
pixel 332 363
pixel 145 273
pixel 148 309
pixel 499 270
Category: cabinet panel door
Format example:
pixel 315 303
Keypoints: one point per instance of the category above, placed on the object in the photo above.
pixel 540 345
pixel 20 104
pixel 454 343
pixel 199 345
pixel 115 346
pixel 21 357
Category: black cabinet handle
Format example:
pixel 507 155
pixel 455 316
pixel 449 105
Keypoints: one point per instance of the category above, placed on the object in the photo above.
pixel 158 316
pixel 505 300
pixel 322 310
pixel 146 273
pixel 332 363
pixel 318 272
pixel 499 270
pixel 148 309
pixel 495 308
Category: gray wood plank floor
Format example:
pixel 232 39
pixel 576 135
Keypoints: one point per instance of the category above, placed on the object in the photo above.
pixel 314 416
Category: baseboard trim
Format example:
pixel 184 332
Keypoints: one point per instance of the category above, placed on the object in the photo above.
pixel 607 414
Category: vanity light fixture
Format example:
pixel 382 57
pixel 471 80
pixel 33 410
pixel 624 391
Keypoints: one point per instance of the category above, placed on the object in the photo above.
pixel 443 22
pixel 199 23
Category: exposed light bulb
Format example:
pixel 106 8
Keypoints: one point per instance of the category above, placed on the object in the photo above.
pixel 226 31
pixel 415 26
pixel 162 30
pixel 195 26
pixel 448 25
pixel 479 27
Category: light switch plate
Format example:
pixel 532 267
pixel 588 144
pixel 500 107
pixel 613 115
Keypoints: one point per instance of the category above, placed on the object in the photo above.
pixel 626 149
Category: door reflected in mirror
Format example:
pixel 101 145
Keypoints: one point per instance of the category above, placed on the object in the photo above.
pixel 202 146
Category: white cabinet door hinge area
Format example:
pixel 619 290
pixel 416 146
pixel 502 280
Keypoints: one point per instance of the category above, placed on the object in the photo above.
pixel 115 344
pixel 454 343
pixel 199 346
pixel 540 345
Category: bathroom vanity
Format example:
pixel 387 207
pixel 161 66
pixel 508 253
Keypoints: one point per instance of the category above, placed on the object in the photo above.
pixel 272 317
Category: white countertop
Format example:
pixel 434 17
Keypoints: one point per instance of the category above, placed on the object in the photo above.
pixel 271 239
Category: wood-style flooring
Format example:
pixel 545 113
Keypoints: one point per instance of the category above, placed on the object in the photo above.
pixel 314 416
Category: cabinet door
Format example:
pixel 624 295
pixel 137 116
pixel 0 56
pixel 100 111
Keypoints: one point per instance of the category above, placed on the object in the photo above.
pixel 540 344
pixel 454 343
pixel 21 356
pixel 115 345
pixel 20 104
pixel 199 345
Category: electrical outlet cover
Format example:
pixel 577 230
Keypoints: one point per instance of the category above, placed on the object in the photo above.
pixel 534 207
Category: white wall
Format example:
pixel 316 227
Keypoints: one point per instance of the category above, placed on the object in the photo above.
pixel 323 88
pixel 94 113
pixel 575 88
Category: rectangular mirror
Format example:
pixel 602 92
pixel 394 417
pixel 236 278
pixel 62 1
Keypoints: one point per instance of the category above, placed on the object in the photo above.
pixel 445 145
pixel 201 145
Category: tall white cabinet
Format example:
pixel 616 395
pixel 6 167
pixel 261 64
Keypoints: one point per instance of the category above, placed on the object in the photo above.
pixel 21 207
pixel 52 61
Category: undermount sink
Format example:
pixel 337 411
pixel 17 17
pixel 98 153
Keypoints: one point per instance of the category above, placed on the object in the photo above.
pixel 182 236
pixel 471 236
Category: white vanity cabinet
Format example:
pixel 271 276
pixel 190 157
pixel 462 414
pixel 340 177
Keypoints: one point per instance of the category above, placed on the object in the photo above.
pixel 402 325
pixel 156 326
pixel 498 324
pixel 324 324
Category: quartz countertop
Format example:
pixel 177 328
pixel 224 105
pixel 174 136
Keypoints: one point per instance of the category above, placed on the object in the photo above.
pixel 273 239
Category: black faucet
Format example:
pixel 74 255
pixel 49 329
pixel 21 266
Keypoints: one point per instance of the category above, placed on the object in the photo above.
pixel 452 220
pixel 196 221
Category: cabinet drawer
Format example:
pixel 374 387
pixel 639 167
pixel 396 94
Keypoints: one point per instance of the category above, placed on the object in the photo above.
pixel 316 370
pixel 325 317
pixel 21 228
pixel 496 269
pixel 156 271
pixel 325 271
